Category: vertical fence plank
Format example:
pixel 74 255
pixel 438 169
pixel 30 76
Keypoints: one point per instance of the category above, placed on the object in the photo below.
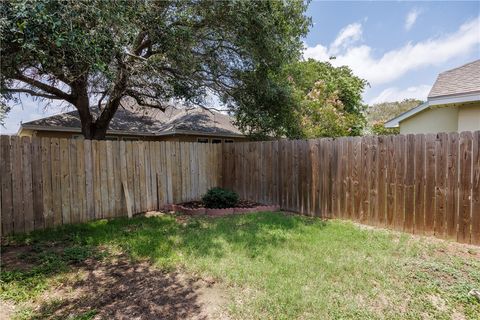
pixel 419 223
pixel 6 185
pixel 27 184
pixel 476 188
pixel 104 177
pixel 399 217
pixel 391 181
pixel 430 184
pixel 97 185
pixel 130 159
pixel 465 187
pixel 75 205
pixel 410 184
pixel 89 180
pixel 56 182
pixel 356 176
pixel 440 184
pixel 153 176
pixel 65 180
pixel 365 169
pixel 148 184
pixel 110 169
pixel 373 181
pixel 382 181
pixel 452 187
pixel 37 187
pixel 47 174
pixel 18 215
pixel 81 180
pixel 120 208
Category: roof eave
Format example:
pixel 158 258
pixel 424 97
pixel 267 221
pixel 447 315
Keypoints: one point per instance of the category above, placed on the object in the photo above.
pixel 454 98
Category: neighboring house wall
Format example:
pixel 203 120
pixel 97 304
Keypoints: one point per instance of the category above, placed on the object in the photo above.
pixel 469 117
pixel 444 119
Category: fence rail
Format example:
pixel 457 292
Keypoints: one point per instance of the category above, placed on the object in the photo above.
pixel 49 182
pixel 422 184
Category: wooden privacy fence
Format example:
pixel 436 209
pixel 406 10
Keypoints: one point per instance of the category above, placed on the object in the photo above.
pixel 422 184
pixel 49 182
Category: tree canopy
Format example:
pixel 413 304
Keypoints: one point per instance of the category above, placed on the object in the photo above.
pixel 96 52
pixel 327 100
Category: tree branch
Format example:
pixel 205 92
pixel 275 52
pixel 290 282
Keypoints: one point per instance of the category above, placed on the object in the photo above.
pixel 45 87
pixel 33 93
pixel 141 102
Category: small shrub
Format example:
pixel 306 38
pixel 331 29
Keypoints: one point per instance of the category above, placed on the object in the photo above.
pixel 219 198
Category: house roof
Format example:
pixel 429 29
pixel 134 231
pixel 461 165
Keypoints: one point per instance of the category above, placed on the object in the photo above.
pixel 458 85
pixel 461 80
pixel 133 120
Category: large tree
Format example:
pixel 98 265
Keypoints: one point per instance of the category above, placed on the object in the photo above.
pixel 97 52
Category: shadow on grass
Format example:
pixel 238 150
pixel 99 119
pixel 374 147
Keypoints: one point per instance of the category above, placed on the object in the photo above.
pixel 130 289
pixel 124 290
pixel 161 238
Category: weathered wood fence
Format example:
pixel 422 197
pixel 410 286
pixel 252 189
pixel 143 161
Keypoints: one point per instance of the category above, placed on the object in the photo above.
pixel 421 184
pixel 49 182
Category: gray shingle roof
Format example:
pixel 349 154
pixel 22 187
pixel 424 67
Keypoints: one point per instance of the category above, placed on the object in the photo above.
pixel 135 120
pixel 461 80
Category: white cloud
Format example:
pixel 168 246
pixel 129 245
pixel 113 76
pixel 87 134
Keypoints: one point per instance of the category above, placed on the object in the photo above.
pixel 395 94
pixel 411 18
pixel 318 52
pixel 346 37
pixel 395 63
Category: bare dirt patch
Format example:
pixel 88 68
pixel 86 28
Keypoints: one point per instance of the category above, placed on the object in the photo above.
pixel 7 309
pixel 118 288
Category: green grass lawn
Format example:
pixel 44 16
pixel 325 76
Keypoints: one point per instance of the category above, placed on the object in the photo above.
pixel 272 265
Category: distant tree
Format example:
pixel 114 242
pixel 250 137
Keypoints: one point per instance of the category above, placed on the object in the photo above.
pixel 328 98
pixel 380 113
pixel 97 52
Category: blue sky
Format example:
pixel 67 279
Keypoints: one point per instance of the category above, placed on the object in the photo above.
pixel 399 47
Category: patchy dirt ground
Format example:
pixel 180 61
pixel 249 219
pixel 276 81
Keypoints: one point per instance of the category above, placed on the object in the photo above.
pixel 120 289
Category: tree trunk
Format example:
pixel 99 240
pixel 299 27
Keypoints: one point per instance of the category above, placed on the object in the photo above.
pixel 97 129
